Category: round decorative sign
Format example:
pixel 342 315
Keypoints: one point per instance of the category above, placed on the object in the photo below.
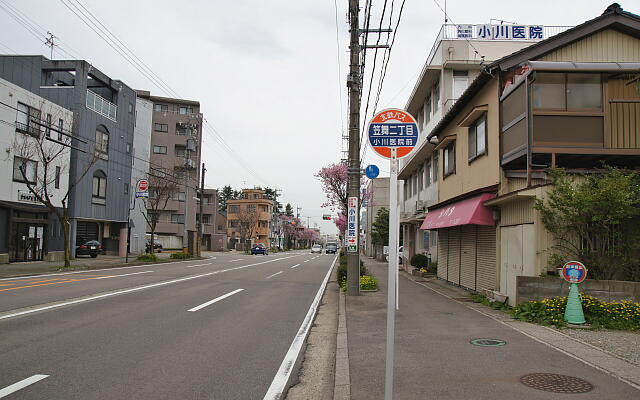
pixel 574 272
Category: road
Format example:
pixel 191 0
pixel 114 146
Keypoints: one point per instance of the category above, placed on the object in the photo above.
pixel 220 328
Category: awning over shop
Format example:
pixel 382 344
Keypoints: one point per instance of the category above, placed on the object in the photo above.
pixel 465 212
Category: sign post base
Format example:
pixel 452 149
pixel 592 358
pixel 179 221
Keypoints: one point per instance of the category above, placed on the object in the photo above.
pixel 573 313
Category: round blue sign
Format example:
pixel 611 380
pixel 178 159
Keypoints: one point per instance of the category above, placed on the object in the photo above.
pixel 372 171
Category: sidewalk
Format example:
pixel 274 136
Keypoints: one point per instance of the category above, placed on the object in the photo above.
pixel 435 360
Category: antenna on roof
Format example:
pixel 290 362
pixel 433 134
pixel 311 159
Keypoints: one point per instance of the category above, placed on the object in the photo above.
pixel 49 42
pixel 445 12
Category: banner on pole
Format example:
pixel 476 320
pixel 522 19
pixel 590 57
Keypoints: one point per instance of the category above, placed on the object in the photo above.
pixel 352 225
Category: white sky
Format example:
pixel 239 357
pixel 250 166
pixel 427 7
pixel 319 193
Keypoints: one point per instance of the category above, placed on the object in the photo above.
pixel 266 72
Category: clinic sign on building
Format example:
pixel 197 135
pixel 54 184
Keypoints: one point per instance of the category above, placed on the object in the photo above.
pixel 500 32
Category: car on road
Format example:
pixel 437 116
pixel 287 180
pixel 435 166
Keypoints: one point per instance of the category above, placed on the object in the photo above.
pixel 259 249
pixel 331 248
pixel 316 249
pixel 89 248
pixel 157 246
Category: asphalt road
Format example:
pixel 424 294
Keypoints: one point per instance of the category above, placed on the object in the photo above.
pixel 207 329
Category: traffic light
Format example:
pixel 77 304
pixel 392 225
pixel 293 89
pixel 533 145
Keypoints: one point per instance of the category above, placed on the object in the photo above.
pixel 326 217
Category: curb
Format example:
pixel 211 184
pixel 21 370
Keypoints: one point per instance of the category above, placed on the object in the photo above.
pixel 342 381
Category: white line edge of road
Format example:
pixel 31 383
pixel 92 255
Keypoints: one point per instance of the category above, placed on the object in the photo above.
pixel 117 276
pixel 279 383
pixel 272 275
pixel 217 299
pixel 22 384
pixel 134 289
pixel 622 379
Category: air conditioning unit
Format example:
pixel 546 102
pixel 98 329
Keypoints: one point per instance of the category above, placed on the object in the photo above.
pixel 420 205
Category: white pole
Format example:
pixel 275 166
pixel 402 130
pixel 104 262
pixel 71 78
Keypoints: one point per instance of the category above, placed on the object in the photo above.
pixel 397 246
pixel 393 273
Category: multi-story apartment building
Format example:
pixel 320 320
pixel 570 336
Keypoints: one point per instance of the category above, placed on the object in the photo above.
pixel 377 199
pixel 457 57
pixel 29 231
pixel 249 216
pixel 103 124
pixel 214 234
pixel 176 144
pixel 563 102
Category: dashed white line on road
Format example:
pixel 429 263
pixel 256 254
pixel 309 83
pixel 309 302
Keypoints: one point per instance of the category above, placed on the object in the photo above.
pixel 297 265
pixel 272 275
pixel 306 260
pixel 239 259
pixel 198 265
pixel 217 299
pixel 117 276
pixel 22 384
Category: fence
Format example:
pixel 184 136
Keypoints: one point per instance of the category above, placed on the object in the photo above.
pixel 537 288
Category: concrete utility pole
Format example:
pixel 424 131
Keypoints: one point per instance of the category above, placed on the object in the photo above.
pixel 200 221
pixel 353 184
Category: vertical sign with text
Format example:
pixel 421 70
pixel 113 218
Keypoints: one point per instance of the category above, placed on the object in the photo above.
pixel 352 225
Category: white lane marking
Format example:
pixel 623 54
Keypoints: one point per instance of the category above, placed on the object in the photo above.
pixel 306 260
pixel 272 275
pixel 279 383
pixel 297 265
pixel 117 276
pixel 134 289
pixel 198 265
pixel 22 384
pixel 217 299
pixel 239 259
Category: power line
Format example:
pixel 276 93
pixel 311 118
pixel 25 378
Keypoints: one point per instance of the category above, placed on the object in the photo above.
pixel 335 6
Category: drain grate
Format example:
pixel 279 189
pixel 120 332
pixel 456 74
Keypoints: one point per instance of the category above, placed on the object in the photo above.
pixel 556 383
pixel 488 342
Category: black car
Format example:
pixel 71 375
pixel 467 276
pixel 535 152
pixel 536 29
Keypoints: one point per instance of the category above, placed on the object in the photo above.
pixel 259 249
pixel 157 246
pixel 89 248
pixel 331 249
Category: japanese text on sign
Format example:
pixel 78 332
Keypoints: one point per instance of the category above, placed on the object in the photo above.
pixel 352 225
pixel 509 32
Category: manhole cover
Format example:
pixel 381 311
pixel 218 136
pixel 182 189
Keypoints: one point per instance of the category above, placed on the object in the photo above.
pixel 556 383
pixel 488 342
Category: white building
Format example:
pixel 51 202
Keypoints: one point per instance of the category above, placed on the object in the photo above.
pixel 31 130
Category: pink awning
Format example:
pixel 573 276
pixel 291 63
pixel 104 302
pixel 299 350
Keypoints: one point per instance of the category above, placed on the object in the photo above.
pixel 465 212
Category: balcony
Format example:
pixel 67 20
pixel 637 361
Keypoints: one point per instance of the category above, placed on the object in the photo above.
pixel 102 106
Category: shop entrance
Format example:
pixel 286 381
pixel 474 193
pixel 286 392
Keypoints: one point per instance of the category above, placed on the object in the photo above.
pixel 28 242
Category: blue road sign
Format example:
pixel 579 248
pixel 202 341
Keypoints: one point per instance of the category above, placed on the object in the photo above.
pixel 372 171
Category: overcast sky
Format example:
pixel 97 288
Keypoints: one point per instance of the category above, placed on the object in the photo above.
pixel 266 72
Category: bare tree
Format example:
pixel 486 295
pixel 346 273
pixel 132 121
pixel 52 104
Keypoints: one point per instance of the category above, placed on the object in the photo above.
pixel 162 188
pixel 48 147
pixel 248 222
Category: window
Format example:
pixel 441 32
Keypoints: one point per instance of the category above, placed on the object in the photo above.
pixel 57 178
pixel 179 196
pixel 234 209
pixel 234 223
pixel 436 96
pixel 160 127
pixel 128 148
pixel 180 150
pixel 184 110
pixel 460 83
pixel 47 130
pixel 126 188
pixel 130 108
pixel 60 126
pixel 177 218
pixel 449 159
pixel 99 193
pixel 102 142
pixel 24 170
pixel 159 149
pixel 427 111
pixel 182 130
pixel 420 179
pixel 24 120
pixel 160 107
pixel 435 167
pixel 158 172
pixel 414 184
pixel 427 177
pixel 478 137
pixel 251 208
pixel 206 219
pixel 567 92
pixel 220 227
pixel 405 189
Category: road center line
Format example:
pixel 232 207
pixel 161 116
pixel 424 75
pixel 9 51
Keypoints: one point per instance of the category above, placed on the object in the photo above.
pixel 306 260
pixel 198 265
pixel 22 384
pixel 272 275
pixel 217 299
pixel 297 265
pixel 239 259
pixel 279 383
pixel 117 276
pixel 124 291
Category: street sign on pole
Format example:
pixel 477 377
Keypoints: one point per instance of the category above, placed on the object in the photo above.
pixel 574 272
pixel 372 171
pixel 393 134
pixel 352 225
pixel 142 189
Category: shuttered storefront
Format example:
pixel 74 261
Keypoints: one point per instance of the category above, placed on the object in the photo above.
pixel 487 269
pixel 443 252
pixel 86 231
pixel 454 255
pixel 468 257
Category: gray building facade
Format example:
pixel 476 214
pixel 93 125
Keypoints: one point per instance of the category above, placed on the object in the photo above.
pixel 101 162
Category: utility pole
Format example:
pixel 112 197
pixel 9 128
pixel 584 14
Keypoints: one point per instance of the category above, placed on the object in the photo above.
pixel 200 221
pixel 353 183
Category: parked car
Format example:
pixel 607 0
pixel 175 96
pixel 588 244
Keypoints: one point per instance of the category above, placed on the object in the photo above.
pixel 331 249
pixel 316 249
pixel 157 246
pixel 89 248
pixel 259 249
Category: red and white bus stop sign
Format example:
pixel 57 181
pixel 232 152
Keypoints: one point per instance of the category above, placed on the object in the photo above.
pixel 393 130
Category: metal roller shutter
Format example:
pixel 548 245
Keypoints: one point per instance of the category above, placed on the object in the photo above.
pixel 468 259
pixel 443 250
pixel 454 255
pixel 86 230
pixel 487 268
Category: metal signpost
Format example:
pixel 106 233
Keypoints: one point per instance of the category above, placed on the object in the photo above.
pixel 574 272
pixel 142 189
pixel 393 134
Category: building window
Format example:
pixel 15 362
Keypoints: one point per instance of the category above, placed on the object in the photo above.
pixel 160 127
pixel 24 170
pixel 180 150
pixel 126 188
pixel 251 208
pixel 420 179
pixel 436 96
pixel 427 177
pixel 128 148
pixel 567 92
pixel 206 219
pixel 405 189
pixel 185 110
pixel 24 120
pixel 478 138
pixel 99 193
pixel 234 209
pixel 60 126
pixel 47 130
pixel 102 142
pixel 234 223
pixel 57 178
pixel 435 166
pixel 130 108
pixel 177 218
pixel 427 111
pixel 179 196
pixel 159 149
pixel 158 172
pixel 220 227
pixel 182 130
pixel 160 107
pixel 449 159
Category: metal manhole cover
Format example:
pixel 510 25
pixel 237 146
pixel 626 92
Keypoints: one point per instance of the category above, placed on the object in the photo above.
pixel 556 383
pixel 488 342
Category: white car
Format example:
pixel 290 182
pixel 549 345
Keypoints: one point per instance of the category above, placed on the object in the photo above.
pixel 316 249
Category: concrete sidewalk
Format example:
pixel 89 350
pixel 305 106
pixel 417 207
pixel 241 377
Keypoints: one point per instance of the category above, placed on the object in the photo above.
pixel 434 358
